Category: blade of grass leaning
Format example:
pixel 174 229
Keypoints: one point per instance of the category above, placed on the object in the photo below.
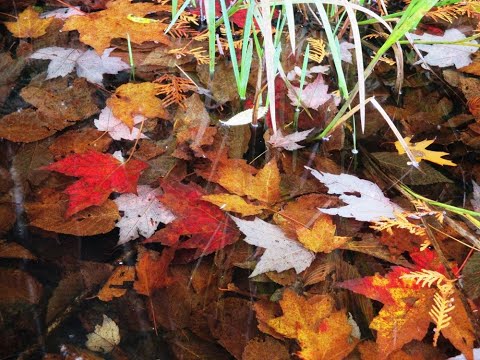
pixel 269 55
pixel 174 8
pixel 334 48
pixel 210 7
pixel 290 23
pixel 231 47
pixel 247 52
pixel 130 58
pixel 357 40
pixel 177 15
pixel 302 82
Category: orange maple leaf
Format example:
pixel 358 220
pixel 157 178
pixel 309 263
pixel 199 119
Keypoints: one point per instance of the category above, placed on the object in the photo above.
pixel 113 287
pixel 28 24
pixel 99 28
pixel 130 100
pixel 322 332
pixel 152 270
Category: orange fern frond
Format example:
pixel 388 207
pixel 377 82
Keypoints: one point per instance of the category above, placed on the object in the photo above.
pixel 174 88
pixel 401 221
pixel 443 305
pixel 317 50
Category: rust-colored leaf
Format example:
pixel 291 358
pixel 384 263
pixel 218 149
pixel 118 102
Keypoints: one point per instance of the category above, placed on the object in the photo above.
pixel 113 288
pixel 80 141
pixel 18 286
pixel 48 214
pixel 151 270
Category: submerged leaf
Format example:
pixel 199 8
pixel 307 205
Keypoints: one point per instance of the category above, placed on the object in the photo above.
pixel 28 24
pixel 419 150
pixel 289 142
pixel 245 117
pixel 105 337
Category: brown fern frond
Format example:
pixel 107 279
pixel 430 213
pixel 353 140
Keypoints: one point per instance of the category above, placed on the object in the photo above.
pixel 183 29
pixel 317 50
pixel 423 210
pixel 199 53
pixel 443 305
pixel 174 88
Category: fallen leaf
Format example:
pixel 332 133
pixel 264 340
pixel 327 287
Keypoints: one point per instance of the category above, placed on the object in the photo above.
pixel 48 214
pixel 289 142
pixel 113 288
pixel 151 270
pixel 322 332
pixel 209 229
pixel 142 212
pixel 281 252
pixel 421 153
pixel 131 100
pixel 234 203
pixel 444 55
pixel 245 117
pixel 89 65
pixel 370 205
pixel 63 13
pixel 78 142
pixel 97 29
pixel 13 250
pixel 19 286
pixel 101 174
pixel 268 348
pixel 321 237
pixel 28 24
pixel 404 316
pixel 116 128
pixel 105 337
pixel 312 96
pixel 345 54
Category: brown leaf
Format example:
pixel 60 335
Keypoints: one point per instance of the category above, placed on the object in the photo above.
pixel 14 251
pixel 29 125
pixel 79 141
pixel 18 286
pixel 113 287
pixel 28 161
pixel 258 349
pixel 49 214
pixel 67 289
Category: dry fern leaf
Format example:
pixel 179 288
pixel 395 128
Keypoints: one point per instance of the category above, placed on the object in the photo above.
pixel 199 53
pixel 427 277
pixel 174 88
pixel 317 50
pixel 443 305
pixel 401 221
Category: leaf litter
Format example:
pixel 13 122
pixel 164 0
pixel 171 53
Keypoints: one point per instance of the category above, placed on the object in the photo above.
pixel 137 186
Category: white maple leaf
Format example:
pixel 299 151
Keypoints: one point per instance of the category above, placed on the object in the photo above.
pixel 365 200
pixel 116 128
pixel 444 55
pixel 245 117
pixel 141 214
pixel 105 337
pixel 289 142
pixel 312 96
pixel 296 72
pixel 63 13
pixel 281 252
pixel 89 65
pixel 345 53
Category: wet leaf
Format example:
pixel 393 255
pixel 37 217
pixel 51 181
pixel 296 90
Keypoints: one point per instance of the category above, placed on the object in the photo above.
pixel 79 142
pixel 13 250
pixel 312 96
pixel 258 349
pixel 89 65
pixel 234 203
pixel 245 117
pixel 142 212
pixel 471 276
pixel 105 337
pixel 19 286
pixel 421 153
pixel 116 128
pixel 131 100
pixel 151 270
pixel 289 142
pixel 322 332
pixel 209 229
pixel 100 175
pixel 115 286
pixel 281 252
pixel 97 29
pixel 28 24
pixel 48 214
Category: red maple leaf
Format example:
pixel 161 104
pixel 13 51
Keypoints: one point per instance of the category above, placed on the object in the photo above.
pixel 100 175
pixel 201 225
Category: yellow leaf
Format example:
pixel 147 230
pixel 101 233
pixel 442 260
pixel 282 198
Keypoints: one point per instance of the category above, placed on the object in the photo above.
pixel 321 237
pixel 421 153
pixel 28 24
pixel 233 203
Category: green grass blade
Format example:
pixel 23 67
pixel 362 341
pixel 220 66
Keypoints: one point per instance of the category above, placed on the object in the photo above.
pixel 211 35
pixel 233 54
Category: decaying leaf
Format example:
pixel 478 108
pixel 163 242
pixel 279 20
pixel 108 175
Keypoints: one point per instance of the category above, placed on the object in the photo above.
pixel 151 270
pixel 78 142
pixel 245 117
pixel 114 287
pixel 105 337
pixel 142 212
pixel 312 96
pixel 289 142
pixel 18 286
pixel 234 203
pixel 281 252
